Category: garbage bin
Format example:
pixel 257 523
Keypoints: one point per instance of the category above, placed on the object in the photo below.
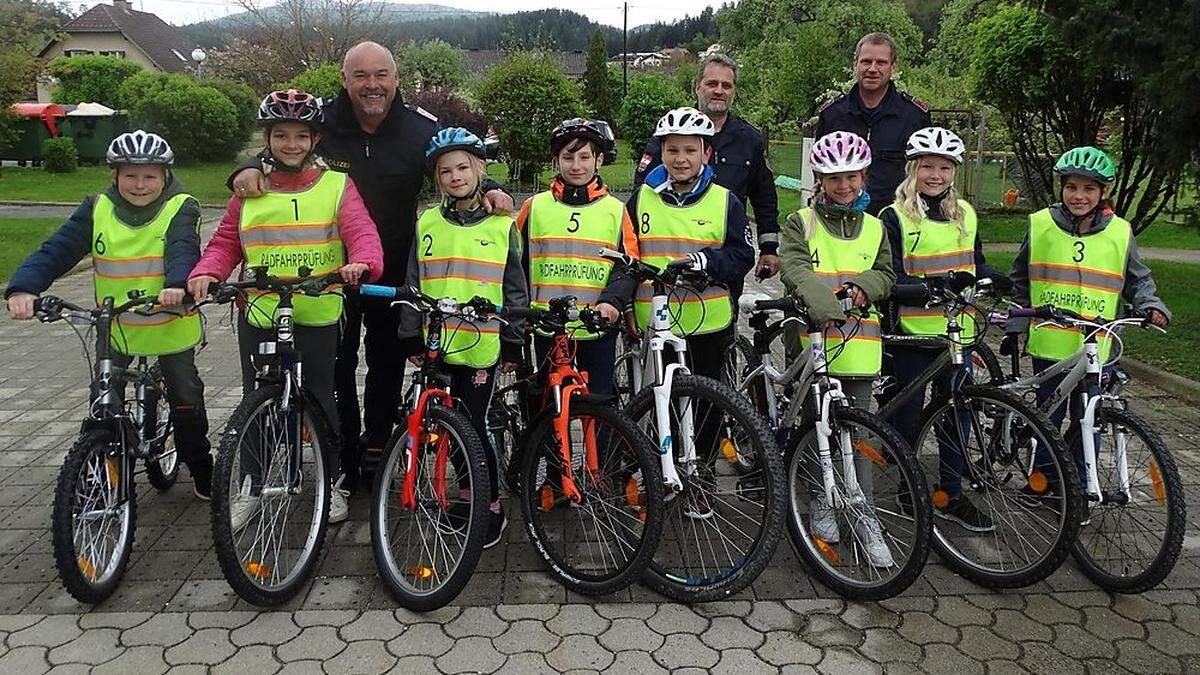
pixel 38 122
pixel 93 126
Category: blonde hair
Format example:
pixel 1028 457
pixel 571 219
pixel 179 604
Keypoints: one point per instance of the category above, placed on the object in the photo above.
pixel 909 202
pixel 478 167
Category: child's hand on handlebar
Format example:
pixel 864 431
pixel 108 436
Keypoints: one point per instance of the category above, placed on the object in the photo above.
pixel 198 286
pixel 20 306
pixel 352 272
pixel 857 296
pixel 607 312
pixel 507 367
pixel 417 359
pixel 171 297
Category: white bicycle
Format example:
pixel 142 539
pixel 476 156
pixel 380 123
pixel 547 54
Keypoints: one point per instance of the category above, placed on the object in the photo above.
pixel 723 520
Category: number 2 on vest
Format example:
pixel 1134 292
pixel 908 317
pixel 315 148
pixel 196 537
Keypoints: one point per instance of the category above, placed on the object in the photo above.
pixel 428 241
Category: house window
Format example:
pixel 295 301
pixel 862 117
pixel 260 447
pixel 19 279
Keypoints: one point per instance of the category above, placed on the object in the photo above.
pixel 118 53
pixel 77 52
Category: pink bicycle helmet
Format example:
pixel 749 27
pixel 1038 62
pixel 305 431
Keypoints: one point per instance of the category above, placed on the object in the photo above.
pixel 838 152
pixel 290 105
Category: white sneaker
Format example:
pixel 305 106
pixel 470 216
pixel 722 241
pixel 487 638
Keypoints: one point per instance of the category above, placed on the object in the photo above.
pixel 823 520
pixel 339 510
pixel 243 506
pixel 870 536
pixel 698 506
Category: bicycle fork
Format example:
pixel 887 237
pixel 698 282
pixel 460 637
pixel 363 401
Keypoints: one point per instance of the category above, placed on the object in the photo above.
pixel 415 433
pixel 826 400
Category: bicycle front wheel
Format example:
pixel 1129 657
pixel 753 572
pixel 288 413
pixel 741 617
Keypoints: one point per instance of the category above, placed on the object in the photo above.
pixel 872 540
pixel 1134 537
pixel 601 543
pixel 1006 496
pixel 426 555
pixel 94 516
pixel 162 466
pixel 270 498
pixel 722 528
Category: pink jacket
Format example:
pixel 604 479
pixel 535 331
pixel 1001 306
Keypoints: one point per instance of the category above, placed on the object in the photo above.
pixel 357 230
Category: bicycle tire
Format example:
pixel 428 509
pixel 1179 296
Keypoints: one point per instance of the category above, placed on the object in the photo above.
pixel 831 563
pixel 623 370
pixel 162 467
pixel 643 518
pixel 390 571
pixel 506 425
pixel 1167 488
pixel 983 357
pixel 241 575
pixel 74 565
pixel 661 574
pixel 1066 492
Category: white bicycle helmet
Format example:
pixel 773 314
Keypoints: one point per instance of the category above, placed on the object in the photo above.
pixel 839 152
pixel 935 141
pixel 685 122
pixel 139 147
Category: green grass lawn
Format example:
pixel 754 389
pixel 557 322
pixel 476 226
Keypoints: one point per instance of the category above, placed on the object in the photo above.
pixel 205 181
pixel 1179 350
pixel 19 236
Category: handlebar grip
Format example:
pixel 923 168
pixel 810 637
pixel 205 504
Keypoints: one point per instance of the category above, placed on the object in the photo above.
pixel 910 294
pixel 960 281
pixel 519 312
pixel 1043 312
pixel 782 304
pixel 377 291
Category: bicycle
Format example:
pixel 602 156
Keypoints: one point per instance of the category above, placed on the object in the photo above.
pixel 589 483
pixel 271 478
pixel 430 495
pixel 722 525
pixel 817 426
pixel 1135 510
pixel 95 497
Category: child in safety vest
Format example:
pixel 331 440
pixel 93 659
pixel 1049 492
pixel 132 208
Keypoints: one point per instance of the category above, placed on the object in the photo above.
pixel 311 217
pixel 933 232
pixel 461 251
pixel 680 212
pixel 1079 255
pixel 830 246
pixel 143 234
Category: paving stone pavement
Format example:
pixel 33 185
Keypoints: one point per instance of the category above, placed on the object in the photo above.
pixel 174 610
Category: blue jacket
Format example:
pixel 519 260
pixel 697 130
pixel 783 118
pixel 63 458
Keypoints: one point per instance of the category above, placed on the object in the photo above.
pixel 66 247
pixel 739 160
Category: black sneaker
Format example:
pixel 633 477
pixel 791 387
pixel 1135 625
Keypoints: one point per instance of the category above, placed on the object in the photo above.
pixel 202 480
pixel 1086 518
pixel 963 512
pixel 496 522
pixel 454 518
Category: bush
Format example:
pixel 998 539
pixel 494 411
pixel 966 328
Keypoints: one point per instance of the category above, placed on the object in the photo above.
pixel 450 109
pixel 94 79
pixel 198 120
pixel 431 65
pixel 524 97
pixel 649 98
pixel 324 81
pixel 146 85
pixel 59 155
pixel 244 101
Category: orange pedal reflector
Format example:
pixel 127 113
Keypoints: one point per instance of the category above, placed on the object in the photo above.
pixel 256 570
pixel 88 569
pixel 632 496
pixel 547 498
pixel 421 572
pixel 729 450
pixel 1038 482
pixel 941 499
pixel 110 468
pixel 641 515
pixel 829 552
pixel 1160 490
pixel 871 453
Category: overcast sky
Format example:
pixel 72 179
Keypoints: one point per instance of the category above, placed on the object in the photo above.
pixel 604 11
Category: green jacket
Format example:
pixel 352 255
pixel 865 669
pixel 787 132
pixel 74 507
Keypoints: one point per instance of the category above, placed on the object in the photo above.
pixel 796 267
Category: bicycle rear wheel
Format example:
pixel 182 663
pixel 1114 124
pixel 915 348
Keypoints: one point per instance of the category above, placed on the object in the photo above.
pixel 94 516
pixel 270 503
pixel 863 548
pixel 722 529
pixel 426 555
pixel 601 544
pixel 1006 496
pixel 1131 543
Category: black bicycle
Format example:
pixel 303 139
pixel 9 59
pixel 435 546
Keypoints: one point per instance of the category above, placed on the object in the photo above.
pixel 95 498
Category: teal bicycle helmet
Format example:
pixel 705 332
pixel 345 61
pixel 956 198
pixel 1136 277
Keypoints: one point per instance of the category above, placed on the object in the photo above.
pixel 450 139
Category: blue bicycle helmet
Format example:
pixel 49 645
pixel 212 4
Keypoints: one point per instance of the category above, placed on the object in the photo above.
pixel 452 138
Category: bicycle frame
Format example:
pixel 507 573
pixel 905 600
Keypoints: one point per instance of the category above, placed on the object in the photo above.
pixel 652 363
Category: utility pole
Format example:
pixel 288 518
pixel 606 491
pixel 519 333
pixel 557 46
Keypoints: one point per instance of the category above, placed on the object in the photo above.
pixel 625 53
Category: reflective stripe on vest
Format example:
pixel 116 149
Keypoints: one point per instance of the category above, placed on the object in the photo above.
pixel 289 230
pixel 564 245
pixel 836 262
pixel 934 247
pixel 125 259
pixel 461 262
pixel 668 232
pixel 1084 274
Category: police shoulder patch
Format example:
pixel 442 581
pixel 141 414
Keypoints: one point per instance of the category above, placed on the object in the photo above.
pixel 830 102
pixel 918 102
pixel 424 113
pixel 645 162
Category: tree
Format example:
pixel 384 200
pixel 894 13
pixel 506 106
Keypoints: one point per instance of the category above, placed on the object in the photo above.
pixel 596 91
pixel 431 65
pixel 450 109
pixel 524 97
pixel 785 73
pixel 649 98
pixel 306 33
pixel 94 79
pixel 324 81
pixel 251 62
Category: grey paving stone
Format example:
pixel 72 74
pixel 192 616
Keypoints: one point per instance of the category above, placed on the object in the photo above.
pixel 923 629
pixel 209 647
pixel 631 610
pixel 1139 657
pixel 781 647
pixel 340 593
pixel 27 660
pixel 532 587
pixel 1079 599
pixel 70 669
pixel 869 615
pixel 579 652
pixel 1169 640
pixel 805 606
pixel 577 620
pixel 93 647
pixel 141 596
pixel 49 632
pixel 739 661
pixel 981 644
pixel 998 600
pixel 476 622
pixel 1187 617
pixel 672 618
pixel 145 660
pixel 254 659
pixel 375 624
pixel 941 659
pixel 442 615
pixel 630 634
pixel 681 650
pixel 364 656
pixel 1137 608
pixel 1080 644
pixel 884 645
pixel 163 630
pixel 1040 657
pixel 526 635
pixel 909 603
pixel 768 615
pixel 516 612
pixel 711 610
pixel 14 622
pixel 826 630
pixel 415 664
pixel 324 617
pixel 1107 624
pixel 471 655
pixel 302 668
pixel 956 611
pixel 727 632
pixel 230 620
pixel 636 663
pixel 422 639
pixel 1018 627
pixel 204 594
pixel 841 661
pixel 14 597
pixel 1002 667
pixel 120 620
pixel 314 642
pixel 268 628
pixel 1045 609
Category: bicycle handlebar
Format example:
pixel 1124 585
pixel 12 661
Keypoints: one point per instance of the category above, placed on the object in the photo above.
pixel 672 274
